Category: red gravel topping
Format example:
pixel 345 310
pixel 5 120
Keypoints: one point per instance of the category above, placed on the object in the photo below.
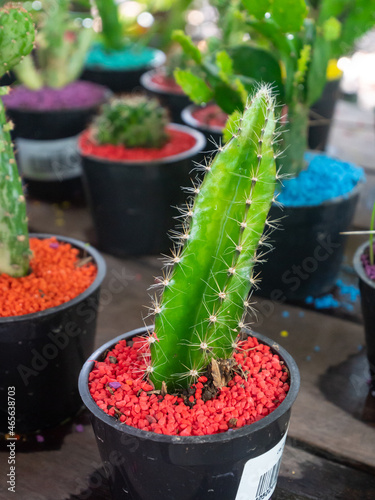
pixel 211 115
pixel 166 83
pixel 178 142
pixel 118 387
pixel 55 278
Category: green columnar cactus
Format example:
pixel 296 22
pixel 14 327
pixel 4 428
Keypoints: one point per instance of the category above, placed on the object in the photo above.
pixel 132 121
pixel 60 49
pixel 201 311
pixel 112 34
pixel 17 36
pixel 16 40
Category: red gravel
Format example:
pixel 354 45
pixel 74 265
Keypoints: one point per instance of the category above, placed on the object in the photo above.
pixel 167 83
pixel 117 386
pixel 211 115
pixel 55 278
pixel 178 142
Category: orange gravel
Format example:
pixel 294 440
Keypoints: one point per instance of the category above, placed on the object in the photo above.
pixel 54 279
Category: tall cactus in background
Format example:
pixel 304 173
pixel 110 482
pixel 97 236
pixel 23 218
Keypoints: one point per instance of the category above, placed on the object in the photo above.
pixel 61 48
pixel 111 26
pixel 17 36
pixel 201 311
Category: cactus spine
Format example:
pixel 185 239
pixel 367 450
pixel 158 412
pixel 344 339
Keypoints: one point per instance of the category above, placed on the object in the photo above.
pixel 16 40
pixel 201 311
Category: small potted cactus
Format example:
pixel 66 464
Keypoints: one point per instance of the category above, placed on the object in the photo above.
pixel 161 83
pixel 298 39
pixel 51 107
pixel 114 61
pixel 174 406
pixel 364 265
pixel 46 285
pixel 134 163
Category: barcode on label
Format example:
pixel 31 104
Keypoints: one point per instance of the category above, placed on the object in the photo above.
pixel 267 482
pixel 259 475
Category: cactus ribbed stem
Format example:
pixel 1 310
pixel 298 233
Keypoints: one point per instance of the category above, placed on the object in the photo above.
pixel 199 315
pixel 14 238
pixel 17 36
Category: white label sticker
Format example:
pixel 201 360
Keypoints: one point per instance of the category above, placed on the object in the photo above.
pixel 259 476
pixel 55 160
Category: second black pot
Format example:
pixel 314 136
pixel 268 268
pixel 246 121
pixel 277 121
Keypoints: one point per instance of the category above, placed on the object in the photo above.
pixel 308 249
pixel 132 202
pixel 47 152
pixel 174 101
pixel 41 355
pixel 367 290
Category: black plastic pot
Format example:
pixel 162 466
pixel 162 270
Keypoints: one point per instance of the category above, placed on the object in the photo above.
pixel 367 289
pixel 121 80
pixel 214 135
pixel 308 250
pixel 132 202
pixel 7 79
pixel 47 153
pixel 321 114
pixel 174 101
pixel 41 355
pixel 235 465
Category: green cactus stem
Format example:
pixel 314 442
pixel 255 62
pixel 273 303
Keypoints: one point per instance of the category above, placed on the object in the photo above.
pixel 60 52
pixel 17 35
pixel 132 121
pixel 16 41
pixel 14 238
pixel 111 26
pixel 201 311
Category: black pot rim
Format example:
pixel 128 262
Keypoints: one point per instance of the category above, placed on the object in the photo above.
pixel 358 267
pixel 106 95
pixel 148 84
pixel 188 118
pixel 198 146
pixel 157 61
pixel 212 438
pixel 101 271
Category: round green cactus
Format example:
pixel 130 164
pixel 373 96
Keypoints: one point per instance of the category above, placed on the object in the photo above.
pixel 17 35
pixel 132 121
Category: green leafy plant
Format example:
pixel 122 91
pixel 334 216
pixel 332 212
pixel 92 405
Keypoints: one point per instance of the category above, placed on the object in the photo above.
pixel 298 37
pixel 17 37
pixel 132 121
pixel 204 298
pixel 61 48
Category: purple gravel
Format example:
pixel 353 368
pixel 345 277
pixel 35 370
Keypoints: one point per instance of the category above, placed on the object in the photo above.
pixel 77 94
pixel 369 269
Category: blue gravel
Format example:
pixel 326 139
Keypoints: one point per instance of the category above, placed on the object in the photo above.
pixel 285 314
pixel 128 58
pixel 350 295
pixel 324 179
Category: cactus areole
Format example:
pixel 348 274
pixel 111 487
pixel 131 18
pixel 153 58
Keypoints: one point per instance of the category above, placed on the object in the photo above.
pixel 205 298
pixel 17 36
